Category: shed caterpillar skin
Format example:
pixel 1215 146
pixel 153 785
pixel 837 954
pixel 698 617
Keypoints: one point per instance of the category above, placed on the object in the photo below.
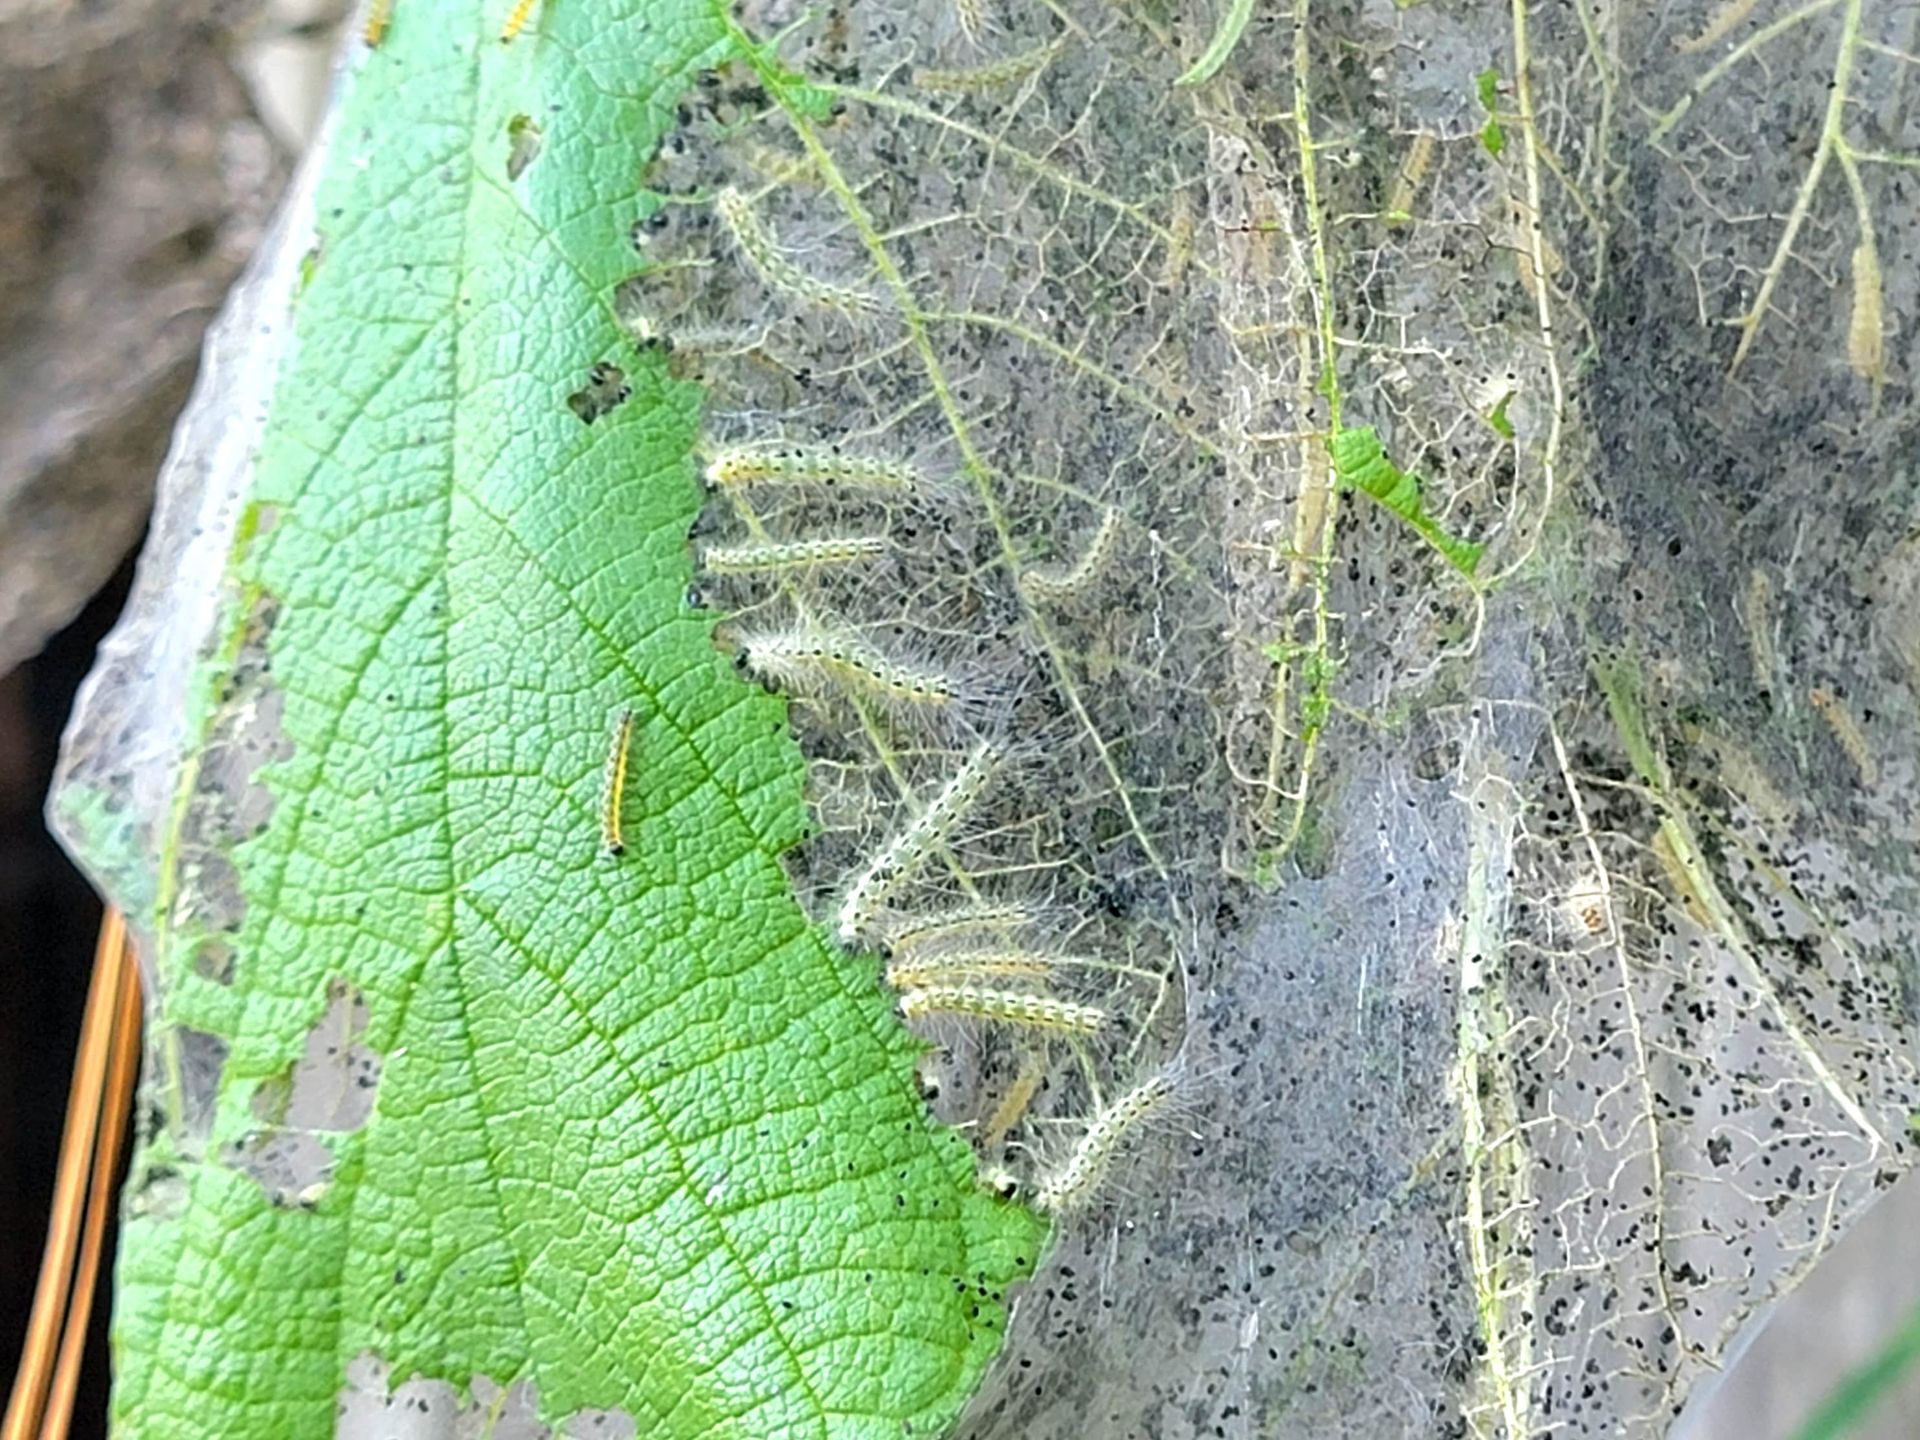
pixel 1014 1105
pixel 1069 1187
pixel 614 787
pixel 1005 1007
pixel 907 851
pixel 972 15
pixel 1756 603
pixel 1406 184
pixel 907 934
pixel 779 557
pixel 758 246
pixel 990 76
pixel 1866 335
pixel 1052 585
pixel 516 20
pixel 1847 731
pixel 807 659
pixel 1719 25
pixel 823 466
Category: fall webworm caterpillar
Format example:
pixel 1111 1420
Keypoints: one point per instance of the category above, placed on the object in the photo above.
pixel 1070 1186
pixel 949 966
pixel 906 934
pixel 516 19
pixel 379 16
pixel 761 250
pixel 738 466
pixel 991 75
pixel 805 659
pixel 1006 1007
pixel 777 556
pixel 907 851
pixel 1053 584
pixel 614 787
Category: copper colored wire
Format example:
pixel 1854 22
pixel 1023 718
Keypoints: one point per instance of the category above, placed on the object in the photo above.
pixel 98 1103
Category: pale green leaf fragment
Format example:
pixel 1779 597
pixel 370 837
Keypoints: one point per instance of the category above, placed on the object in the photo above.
pixel 1492 136
pixel 1232 25
pixel 1497 417
pixel 1359 461
pixel 637 1133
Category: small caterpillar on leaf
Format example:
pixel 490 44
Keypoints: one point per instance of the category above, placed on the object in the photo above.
pixel 806 659
pixel 614 787
pixel 908 850
pixel 516 20
pixel 1053 585
pixel 738 466
pixel 1004 1007
pixel 1073 1184
pixel 781 556
pixel 990 76
pixel 762 252
pixel 379 16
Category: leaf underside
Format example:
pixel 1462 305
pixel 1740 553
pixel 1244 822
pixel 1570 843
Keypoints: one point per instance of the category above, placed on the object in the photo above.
pixel 641 1136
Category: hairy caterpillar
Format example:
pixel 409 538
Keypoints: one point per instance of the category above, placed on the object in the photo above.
pixel 1053 585
pixel 806 659
pixel 1073 1183
pixel 614 787
pixel 516 20
pixel 947 966
pixel 761 250
pixel 910 933
pixel 908 850
pixel 738 466
pixel 779 556
pixel 1004 1007
pixel 992 75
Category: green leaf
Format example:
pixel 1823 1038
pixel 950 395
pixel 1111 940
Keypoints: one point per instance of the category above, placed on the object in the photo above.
pixel 638 1134
pixel 1361 462
pixel 1497 417
pixel 1487 82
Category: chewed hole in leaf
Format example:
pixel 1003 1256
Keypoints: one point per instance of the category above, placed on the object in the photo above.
pixel 605 391
pixel 329 1091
